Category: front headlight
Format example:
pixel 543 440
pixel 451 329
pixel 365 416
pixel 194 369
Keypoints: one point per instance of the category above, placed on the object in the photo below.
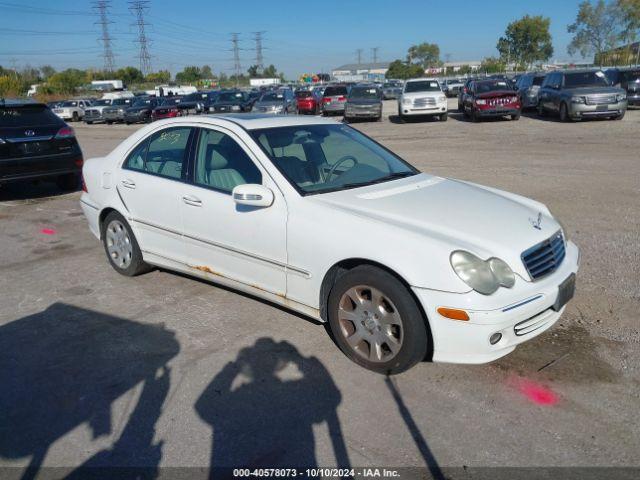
pixel 235 107
pixel 577 100
pixel 442 99
pixel 620 97
pixel 481 102
pixel 484 277
pixel 406 101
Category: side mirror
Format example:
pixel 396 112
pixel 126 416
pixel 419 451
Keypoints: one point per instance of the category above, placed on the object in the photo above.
pixel 253 195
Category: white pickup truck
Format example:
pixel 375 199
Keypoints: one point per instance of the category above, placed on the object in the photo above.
pixel 72 110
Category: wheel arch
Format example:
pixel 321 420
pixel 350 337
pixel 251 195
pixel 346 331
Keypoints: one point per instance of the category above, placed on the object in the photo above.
pixel 347 264
pixel 103 214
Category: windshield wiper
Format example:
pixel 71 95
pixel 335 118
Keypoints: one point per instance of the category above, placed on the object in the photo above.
pixel 391 176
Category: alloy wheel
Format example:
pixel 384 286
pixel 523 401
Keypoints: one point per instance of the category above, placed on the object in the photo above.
pixel 370 323
pixel 119 244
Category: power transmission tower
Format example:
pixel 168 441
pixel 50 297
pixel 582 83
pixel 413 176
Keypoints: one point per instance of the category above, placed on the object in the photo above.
pixel 374 51
pixel 257 36
pixel 101 7
pixel 139 8
pixel 237 68
pixel 359 54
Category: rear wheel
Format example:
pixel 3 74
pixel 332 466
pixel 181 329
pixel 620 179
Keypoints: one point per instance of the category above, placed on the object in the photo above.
pixel 620 117
pixel 121 246
pixel 89 123
pixel 376 322
pixel 541 110
pixel 444 117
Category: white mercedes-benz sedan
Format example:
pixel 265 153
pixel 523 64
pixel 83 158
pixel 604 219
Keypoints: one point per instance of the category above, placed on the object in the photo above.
pixel 313 215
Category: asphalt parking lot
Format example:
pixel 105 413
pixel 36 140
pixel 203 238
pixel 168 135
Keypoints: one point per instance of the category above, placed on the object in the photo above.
pixel 99 369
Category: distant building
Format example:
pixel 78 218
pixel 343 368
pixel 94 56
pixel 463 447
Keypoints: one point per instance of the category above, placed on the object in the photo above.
pixel 565 65
pixel 456 66
pixel 358 72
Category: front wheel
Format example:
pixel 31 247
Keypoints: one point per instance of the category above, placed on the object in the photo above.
pixel 620 117
pixel 122 247
pixel 75 117
pixel 541 110
pixel 376 322
pixel 444 117
pixel 564 113
pixel 515 117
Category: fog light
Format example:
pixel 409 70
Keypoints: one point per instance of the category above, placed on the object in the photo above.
pixel 495 338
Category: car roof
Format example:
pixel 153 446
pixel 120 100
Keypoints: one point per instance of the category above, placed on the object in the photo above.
pixel 255 121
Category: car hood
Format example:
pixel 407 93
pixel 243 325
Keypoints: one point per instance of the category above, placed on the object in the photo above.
pixel 457 214
pixel 593 90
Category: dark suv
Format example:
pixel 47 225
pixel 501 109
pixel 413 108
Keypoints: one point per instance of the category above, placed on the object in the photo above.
pixel 628 79
pixel 35 143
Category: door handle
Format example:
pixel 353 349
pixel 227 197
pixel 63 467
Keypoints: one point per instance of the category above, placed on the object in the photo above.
pixel 191 200
pixel 128 183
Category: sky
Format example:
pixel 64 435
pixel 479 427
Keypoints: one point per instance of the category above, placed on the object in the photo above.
pixel 300 37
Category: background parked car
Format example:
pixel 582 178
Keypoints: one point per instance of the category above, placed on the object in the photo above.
pixel 452 86
pixel 464 91
pixel 115 113
pixel 191 104
pixel 628 79
pixel 333 99
pixel 491 99
pixel 578 94
pixel 278 102
pixel 528 86
pixel 167 108
pixel 141 110
pixel 364 101
pixel 307 101
pixel 36 144
pixel 391 90
pixel 72 110
pixel 232 101
pixel 422 97
pixel 93 114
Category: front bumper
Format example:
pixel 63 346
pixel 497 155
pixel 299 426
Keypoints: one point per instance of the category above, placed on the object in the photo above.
pixel 333 107
pixel 137 117
pixel 494 112
pixel 113 116
pixel 581 110
pixel 362 112
pixel 633 99
pixel 437 109
pixel 468 341
pixel 93 117
pixel 66 115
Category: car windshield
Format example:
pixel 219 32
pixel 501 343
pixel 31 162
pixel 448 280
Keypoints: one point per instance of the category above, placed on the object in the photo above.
pixel 272 97
pixel 367 93
pixel 142 102
pixel 333 91
pixel 630 76
pixel 28 115
pixel 325 158
pixel 422 86
pixel 122 101
pixel 102 103
pixel 69 104
pixel 486 87
pixel 230 97
pixel 585 79
pixel 538 80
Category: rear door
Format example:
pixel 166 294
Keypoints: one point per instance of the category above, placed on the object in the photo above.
pixel 150 184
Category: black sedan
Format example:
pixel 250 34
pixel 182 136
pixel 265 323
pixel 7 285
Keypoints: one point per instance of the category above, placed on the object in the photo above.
pixel 36 144
pixel 140 111
pixel 232 102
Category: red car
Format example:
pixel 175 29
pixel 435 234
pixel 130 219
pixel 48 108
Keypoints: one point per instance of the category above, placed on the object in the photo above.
pixel 168 108
pixel 307 102
pixel 491 99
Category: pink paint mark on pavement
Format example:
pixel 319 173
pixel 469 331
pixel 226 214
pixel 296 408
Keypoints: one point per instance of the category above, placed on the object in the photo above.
pixel 535 392
pixel 48 231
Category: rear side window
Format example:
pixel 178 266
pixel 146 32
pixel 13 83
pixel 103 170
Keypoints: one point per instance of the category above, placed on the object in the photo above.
pixel 24 116
pixel 538 80
pixel 162 154
pixel 333 91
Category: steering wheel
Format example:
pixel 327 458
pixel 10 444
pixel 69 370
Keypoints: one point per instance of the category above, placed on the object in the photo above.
pixel 338 163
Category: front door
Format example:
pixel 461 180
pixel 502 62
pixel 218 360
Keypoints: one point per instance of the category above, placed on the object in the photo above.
pixel 245 244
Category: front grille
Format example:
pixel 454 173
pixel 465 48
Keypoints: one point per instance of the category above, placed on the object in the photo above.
pixel 424 102
pixel 534 323
pixel 601 99
pixel 499 101
pixel 544 258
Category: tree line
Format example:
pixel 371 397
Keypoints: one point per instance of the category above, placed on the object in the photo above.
pixel 599 29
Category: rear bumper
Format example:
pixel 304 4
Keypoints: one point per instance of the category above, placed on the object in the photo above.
pixel 19 169
pixel 527 306
pixel 333 107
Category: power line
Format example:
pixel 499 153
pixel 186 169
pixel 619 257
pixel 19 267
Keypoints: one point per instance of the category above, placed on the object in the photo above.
pixel 139 8
pixel 101 6
pixel 374 52
pixel 236 55
pixel 359 55
pixel 257 36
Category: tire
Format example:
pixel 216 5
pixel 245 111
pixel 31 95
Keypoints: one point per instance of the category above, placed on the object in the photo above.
pixel 444 117
pixel 515 117
pixel 379 119
pixel 620 117
pixel 128 123
pixel 74 117
pixel 406 340
pixel 541 110
pixel 121 246
pixel 475 117
pixel 564 113
pixel 68 182
pixel 89 123
pixel 345 119
pixel 109 122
